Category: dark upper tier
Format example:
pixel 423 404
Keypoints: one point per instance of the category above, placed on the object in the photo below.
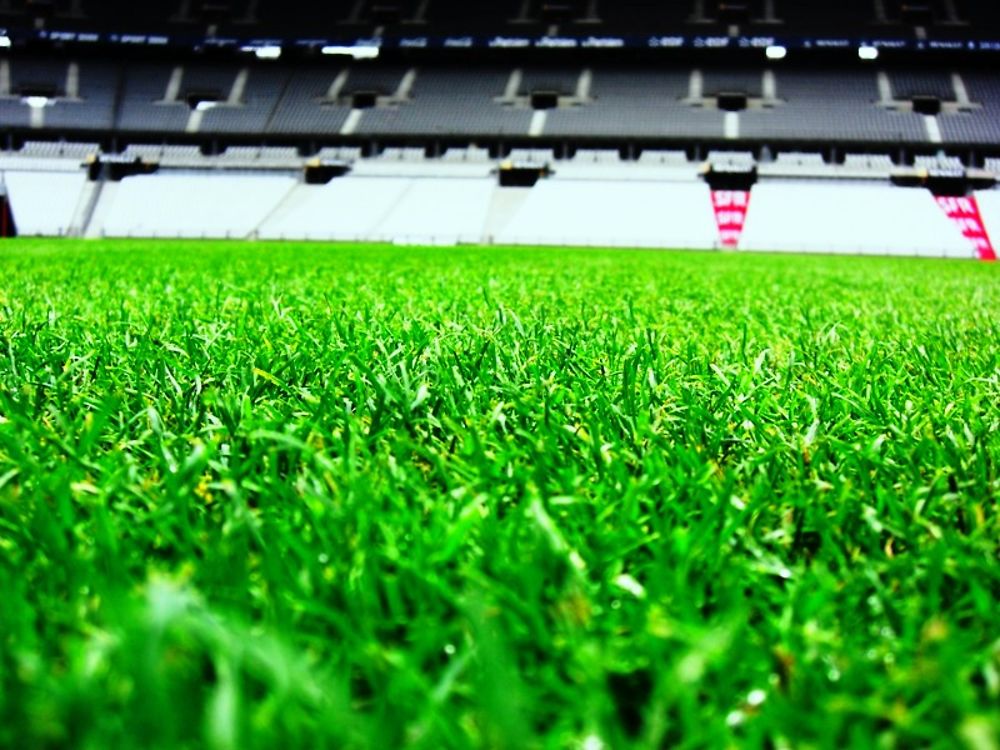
pixel 303 18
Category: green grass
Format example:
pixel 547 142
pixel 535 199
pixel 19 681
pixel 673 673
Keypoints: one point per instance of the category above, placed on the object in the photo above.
pixel 296 496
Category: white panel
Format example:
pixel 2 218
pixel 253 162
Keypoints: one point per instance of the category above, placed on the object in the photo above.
pixel 193 205
pixel 43 203
pixel 851 217
pixel 614 214
pixel 109 193
pixel 441 211
pixel 417 210
pixel 581 208
pixel 345 209
pixel 989 207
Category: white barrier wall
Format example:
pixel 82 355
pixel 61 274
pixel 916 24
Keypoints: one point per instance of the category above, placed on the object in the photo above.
pixel 440 210
pixel 831 217
pixel 427 210
pixel 614 214
pixel 44 203
pixel 789 215
pixel 344 209
pixel 989 209
pixel 191 205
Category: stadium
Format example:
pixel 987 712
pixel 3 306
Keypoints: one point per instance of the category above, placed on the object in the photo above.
pixel 587 374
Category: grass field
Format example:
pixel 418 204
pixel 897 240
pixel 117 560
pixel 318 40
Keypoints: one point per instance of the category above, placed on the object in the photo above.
pixel 288 496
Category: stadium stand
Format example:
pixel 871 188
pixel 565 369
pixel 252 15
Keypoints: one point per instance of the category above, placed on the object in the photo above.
pixel 980 123
pixel 595 198
pixel 310 104
pixel 368 99
pixel 673 129
pixel 59 149
pixel 300 17
pixel 452 102
pixel 295 17
pixel 146 104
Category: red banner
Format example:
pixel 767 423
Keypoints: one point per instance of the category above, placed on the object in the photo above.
pixel 731 208
pixel 964 212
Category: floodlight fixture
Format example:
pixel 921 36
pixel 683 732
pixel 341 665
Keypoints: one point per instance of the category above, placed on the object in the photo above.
pixel 867 52
pixel 205 106
pixel 358 52
pixel 5 41
pixel 37 102
pixel 776 52
pixel 263 51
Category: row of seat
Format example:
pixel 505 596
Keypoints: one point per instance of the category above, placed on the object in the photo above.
pixel 60 156
pixel 785 104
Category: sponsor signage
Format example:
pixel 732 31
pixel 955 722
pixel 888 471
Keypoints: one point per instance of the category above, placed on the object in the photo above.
pixel 666 42
pixel 730 208
pixel 502 41
pixel 558 42
pixel 965 214
pixel 712 42
pixel 509 42
pixel 603 42
pixel 829 43
pixel 757 42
